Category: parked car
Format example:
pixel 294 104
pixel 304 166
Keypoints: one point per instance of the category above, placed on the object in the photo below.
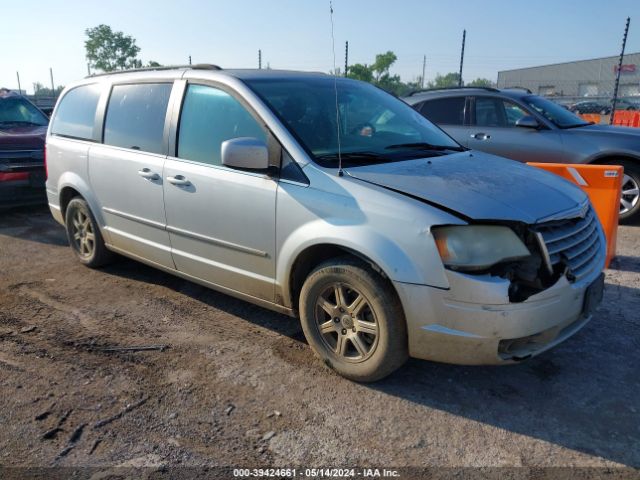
pixel 385 236
pixel 515 124
pixel 22 135
pixel 590 106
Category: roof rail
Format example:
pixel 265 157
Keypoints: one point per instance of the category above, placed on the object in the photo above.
pixel 197 66
pixel 518 88
pixel 491 89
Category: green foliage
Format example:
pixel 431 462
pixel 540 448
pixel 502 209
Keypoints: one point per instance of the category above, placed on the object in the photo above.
pixel 42 91
pixel 378 74
pixel 444 81
pixel 108 50
pixel 481 82
pixel 152 63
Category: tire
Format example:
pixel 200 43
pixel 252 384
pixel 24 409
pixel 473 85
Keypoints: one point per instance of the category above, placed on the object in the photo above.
pixel 84 235
pixel 372 333
pixel 629 201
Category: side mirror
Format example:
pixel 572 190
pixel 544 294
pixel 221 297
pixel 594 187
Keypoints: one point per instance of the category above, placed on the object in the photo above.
pixel 527 122
pixel 245 152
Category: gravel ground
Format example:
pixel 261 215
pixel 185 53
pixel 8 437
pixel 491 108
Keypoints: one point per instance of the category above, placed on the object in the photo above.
pixel 238 385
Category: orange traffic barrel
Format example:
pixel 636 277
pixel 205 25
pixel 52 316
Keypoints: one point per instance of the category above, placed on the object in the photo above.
pixel 603 184
pixel 591 117
pixel 626 118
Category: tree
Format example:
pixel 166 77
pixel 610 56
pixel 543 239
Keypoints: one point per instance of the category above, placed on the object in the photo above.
pixel 444 81
pixel 42 91
pixel 108 50
pixel 378 73
pixel 481 82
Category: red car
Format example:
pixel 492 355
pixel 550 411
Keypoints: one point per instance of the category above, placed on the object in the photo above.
pixel 23 128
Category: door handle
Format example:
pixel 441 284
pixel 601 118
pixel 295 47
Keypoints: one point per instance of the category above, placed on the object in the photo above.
pixel 480 136
pixel 147 173
pixel 178 180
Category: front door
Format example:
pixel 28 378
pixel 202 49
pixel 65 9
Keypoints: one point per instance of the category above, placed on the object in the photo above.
pixel 494 131
pixel 221 221
pixel 126 170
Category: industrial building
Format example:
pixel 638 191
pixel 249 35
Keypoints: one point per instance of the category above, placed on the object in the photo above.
pixel 584 78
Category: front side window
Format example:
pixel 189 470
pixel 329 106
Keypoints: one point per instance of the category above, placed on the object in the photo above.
pixel 76 113
pixel 364 124
pixel 513 113
pixel 209 117
pixel 445 111
pixel 554 112
pixel 495 112
pixel 136 115
pixel 490 112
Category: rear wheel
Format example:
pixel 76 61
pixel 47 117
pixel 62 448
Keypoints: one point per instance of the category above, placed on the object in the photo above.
pixel 353 320
pixel 84 235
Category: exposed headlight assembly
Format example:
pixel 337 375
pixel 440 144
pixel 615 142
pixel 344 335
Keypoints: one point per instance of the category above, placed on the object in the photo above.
pixel 478 247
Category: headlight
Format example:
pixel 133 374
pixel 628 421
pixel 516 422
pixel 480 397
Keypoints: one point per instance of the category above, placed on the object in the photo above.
pixel 476 247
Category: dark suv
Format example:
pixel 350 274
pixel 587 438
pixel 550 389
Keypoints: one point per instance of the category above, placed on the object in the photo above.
pixel 515 124
pixel 23 128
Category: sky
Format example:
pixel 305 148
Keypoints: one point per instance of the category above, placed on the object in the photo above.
pixel 501 34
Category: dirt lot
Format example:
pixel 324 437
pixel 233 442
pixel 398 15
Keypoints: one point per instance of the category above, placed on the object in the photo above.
pixel 239 386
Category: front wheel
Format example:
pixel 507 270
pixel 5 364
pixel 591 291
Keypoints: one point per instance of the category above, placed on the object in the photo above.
pixel 353 320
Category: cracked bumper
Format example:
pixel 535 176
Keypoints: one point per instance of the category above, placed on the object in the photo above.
pixel 473 322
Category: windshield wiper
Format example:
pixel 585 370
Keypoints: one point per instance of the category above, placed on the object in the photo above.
pixel 576 125
pixel 19 122
pixel 425 146
pixel 350 156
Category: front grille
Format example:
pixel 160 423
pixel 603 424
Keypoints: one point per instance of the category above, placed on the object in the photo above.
pixel 574 242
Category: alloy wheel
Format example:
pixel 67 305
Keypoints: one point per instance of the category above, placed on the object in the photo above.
pixel 630 194
pixel 83 234
pixel 346 322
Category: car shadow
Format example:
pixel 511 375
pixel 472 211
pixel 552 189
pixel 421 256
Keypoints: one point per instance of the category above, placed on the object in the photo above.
pixel 279 323
pixel 581 395
pixel 625 263
pixel 32 223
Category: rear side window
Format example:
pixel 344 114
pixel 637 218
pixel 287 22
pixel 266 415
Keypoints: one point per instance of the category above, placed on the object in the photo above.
pixel 209 117
pixel 76 113
pixel 136 115
pixel 445 111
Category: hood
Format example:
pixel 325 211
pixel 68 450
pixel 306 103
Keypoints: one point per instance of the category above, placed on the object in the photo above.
pixel 607 130
pixel 23 137
pixel 479 186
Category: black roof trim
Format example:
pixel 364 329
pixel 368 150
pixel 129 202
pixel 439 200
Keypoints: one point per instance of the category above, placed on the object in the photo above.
pixel 490 89
pixel 198 66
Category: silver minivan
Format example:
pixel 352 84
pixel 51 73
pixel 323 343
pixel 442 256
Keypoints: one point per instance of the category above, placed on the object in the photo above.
pixel 331 200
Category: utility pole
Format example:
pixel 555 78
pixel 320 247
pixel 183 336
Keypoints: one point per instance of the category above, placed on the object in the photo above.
pixel 88 69
pixel 189 59
pixel 260 59
pixel 464 36
pixel 346 58
pixel 424 66
pixel 19 87
pixel 615 90
pixel 53 89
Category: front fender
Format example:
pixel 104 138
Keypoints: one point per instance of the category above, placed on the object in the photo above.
pixel 396 263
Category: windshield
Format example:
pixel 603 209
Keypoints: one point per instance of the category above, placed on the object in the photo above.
pixel 18 111
pixel 555 113
pixel 374 126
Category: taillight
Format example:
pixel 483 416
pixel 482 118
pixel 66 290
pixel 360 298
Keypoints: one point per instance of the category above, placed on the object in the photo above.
pixel 44 156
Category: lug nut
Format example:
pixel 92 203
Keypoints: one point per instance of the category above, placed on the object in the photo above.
pixel 344 331
pixel 353 329
pixel 336 319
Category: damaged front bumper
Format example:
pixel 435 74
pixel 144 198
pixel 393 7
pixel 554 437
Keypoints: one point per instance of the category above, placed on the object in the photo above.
pixel 474 323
